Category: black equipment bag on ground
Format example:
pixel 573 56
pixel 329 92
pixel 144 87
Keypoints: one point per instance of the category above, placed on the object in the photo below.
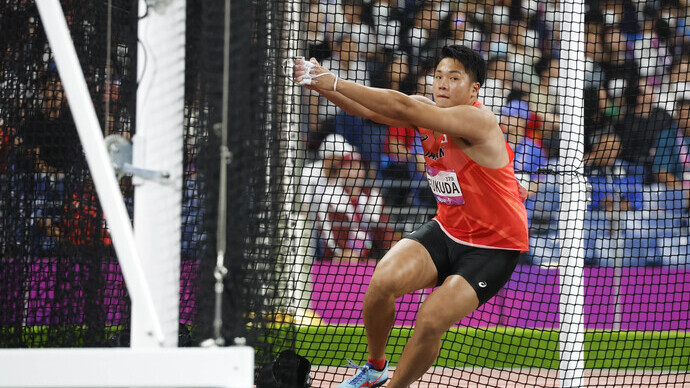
pixel 289 370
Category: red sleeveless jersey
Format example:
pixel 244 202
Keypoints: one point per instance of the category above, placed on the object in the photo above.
pixel 477 206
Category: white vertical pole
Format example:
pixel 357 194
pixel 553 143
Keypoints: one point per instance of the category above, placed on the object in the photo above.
pixel 108 190
pixel 158 145
pixel 573 194
pixel 298 255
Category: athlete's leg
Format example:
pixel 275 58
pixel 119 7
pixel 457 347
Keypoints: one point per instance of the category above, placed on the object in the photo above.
pixel 405 268
pixel 449 303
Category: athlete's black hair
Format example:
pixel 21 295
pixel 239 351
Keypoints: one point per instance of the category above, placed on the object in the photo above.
pixel 473 63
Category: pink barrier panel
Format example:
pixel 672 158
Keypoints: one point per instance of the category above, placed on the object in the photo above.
pixel 338 292
pixel 52 291
pixel 652 298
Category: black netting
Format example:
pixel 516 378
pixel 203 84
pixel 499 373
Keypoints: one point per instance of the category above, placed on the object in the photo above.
pixel 360 186
pixel 60 281
pixel 317 196
pixel 253 188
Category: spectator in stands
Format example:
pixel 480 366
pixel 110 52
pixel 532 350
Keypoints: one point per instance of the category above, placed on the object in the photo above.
pixel 386 16
pixel 50 126
pixel 616 184
pixel 544 95
pixel 499 27
pixel 595 118
pixel 618 59
pixel 403 162
pixel 426 34
pixel 84 223
pixel 523 52
pixel 548 28
pixel 529 155
pixel 318 38
pixel 463 31
pixel 347 63
pixel 620 13
pixel 47 195
pixel 359 26
pixel 671 149
pixel 348 215
pixel 672 15
pixel 679 83
pixel 398 72
pixel 425 82
pixel 544 100
pixel 497 85
pixel 650 50
pixel 7 139
pixel 642 123
pixel 594 48
pixel 347 60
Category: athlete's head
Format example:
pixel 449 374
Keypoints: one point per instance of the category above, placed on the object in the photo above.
pixel 459 74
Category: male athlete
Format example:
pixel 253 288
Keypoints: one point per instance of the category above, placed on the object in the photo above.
pixel 470 249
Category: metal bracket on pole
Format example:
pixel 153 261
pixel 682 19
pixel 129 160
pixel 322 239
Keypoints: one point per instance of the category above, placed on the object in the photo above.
pixel 120 151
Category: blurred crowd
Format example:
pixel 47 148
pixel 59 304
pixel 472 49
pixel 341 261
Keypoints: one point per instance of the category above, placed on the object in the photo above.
pixel 363 183
pixel 635 106
pixel 48 203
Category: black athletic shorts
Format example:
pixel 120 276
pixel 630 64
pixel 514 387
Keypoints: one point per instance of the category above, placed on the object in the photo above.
pixel 487 270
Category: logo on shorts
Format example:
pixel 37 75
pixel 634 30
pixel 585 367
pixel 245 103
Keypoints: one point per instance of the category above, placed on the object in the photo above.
pixel 482 284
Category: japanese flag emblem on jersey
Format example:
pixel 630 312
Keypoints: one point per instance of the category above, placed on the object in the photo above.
pixel 445 186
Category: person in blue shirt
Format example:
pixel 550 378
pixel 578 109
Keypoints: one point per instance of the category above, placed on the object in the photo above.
pixel 530 156
pixel 617 185
pixel 670 152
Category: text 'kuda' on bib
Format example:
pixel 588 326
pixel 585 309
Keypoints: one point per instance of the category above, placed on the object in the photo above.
pixel 445 186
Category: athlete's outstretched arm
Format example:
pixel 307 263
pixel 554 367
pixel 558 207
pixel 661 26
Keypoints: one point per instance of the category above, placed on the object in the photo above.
pixel 348 105
pixel 352 107
pixel 463 121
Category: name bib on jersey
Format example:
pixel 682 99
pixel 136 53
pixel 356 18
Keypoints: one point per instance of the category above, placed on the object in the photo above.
pixel 445 186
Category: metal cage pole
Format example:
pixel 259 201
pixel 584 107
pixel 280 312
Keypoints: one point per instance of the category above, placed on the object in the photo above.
pixel 158 146
pixel 295 254
pixel 573 195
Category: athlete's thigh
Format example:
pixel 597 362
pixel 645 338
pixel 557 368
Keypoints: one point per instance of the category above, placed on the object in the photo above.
pixel 405 268
pixel 449 303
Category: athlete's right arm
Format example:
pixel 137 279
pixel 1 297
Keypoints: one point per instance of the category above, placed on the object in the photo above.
pixel 347 104
pixel 354 108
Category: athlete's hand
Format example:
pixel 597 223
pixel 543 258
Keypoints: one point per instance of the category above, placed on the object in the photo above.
pixel 299 70
pixel 312 75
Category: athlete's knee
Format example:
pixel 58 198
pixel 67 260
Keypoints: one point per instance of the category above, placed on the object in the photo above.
pixel 381 289
pixel 428 328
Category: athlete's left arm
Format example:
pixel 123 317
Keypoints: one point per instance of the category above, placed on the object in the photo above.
pixel 465 121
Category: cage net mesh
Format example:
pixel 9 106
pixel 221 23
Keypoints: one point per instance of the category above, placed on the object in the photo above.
pixel 60 282
pixel 316 196
pixel 347 188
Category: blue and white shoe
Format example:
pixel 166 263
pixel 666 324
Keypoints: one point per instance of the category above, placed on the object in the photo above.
pixel 366 377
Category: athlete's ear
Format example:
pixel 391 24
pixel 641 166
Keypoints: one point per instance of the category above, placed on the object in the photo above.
pixel 475 89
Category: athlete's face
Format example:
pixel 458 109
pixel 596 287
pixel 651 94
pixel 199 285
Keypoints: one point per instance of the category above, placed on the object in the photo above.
pixel 453 85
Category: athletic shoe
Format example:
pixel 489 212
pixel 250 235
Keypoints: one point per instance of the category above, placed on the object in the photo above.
pixel 366 377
